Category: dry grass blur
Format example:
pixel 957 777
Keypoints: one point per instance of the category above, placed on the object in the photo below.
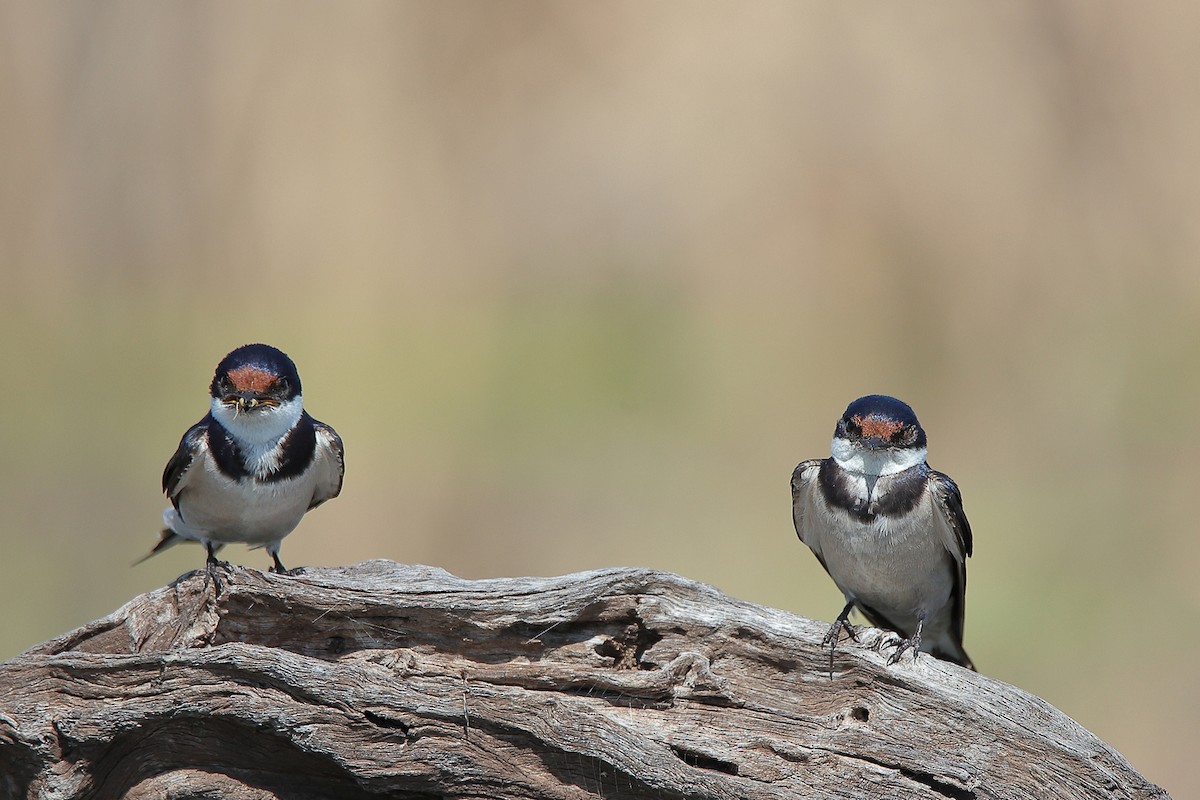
pixel 579 284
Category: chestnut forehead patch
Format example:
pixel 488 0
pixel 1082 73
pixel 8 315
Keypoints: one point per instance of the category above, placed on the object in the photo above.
pixel 252 379
pixel 881 428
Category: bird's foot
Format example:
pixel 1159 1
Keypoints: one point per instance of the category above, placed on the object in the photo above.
pixel 212 569
pixel 913 643
pixel 279 569
pixel 902 645
pixel 212 572
pixel 835 633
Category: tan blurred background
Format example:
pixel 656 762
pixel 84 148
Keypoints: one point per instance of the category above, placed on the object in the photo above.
pixel 579 284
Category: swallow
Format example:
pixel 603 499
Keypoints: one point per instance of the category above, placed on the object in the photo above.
pixel 888 529
pixel 254 465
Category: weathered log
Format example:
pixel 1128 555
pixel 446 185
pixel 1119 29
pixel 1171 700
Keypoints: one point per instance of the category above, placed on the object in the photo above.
pixel 406 682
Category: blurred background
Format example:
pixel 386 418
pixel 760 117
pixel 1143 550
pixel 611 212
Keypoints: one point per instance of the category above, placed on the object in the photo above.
pixel 579 285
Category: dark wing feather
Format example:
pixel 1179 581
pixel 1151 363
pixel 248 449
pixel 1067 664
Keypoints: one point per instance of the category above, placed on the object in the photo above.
pixel 177 468
pixel 956 535
pixel 330 449
pixel 804 484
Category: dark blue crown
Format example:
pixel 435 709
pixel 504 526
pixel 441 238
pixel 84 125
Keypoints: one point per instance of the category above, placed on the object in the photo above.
pixel 264 357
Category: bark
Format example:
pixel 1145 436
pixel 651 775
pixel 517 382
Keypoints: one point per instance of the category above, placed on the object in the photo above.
pixel 383 680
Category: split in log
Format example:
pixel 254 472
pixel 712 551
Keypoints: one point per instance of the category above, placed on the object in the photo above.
pixel 383 680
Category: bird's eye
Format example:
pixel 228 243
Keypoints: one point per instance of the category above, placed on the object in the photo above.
pixel 853 428
pixel 282 384
pixel 903 436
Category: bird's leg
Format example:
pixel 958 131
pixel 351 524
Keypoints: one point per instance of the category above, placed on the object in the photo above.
pixel 841 623
pixel 913 643
pixel 211 565
pixel 835 632
pixel 280 569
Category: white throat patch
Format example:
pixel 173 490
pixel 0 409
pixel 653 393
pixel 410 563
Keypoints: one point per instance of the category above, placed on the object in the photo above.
pixel 258 432
pixel 865 461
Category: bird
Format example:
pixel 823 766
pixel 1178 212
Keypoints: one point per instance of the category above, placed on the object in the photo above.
pixel 890 531
pixel 254 465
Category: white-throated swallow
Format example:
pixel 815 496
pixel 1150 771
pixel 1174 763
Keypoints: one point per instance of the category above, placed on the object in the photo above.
pixel 255 464
pixel 889 530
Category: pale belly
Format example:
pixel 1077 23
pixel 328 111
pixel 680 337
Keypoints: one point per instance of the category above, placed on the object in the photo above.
pixel 216 508
pixel 900 568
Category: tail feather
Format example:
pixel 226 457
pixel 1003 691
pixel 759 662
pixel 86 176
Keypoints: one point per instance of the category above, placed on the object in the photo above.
pixel 169 538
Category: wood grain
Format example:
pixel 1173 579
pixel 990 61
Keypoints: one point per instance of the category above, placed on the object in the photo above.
pixel 385 680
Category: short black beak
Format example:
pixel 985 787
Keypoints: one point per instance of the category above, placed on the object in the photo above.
pixel 247 402
pixel 874 442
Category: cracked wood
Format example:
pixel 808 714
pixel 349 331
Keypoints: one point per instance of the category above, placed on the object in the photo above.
pixel 388 680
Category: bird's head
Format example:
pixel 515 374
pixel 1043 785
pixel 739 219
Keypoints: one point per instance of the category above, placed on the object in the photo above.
pixel 878 435
pixel 256 389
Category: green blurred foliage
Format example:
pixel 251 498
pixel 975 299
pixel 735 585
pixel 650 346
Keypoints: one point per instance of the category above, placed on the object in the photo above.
pixel 579 285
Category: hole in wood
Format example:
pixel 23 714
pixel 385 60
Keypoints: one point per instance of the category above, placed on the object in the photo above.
pixel 692 758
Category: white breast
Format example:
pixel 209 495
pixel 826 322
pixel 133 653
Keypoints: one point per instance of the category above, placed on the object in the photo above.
pixel 223 510
pixel 895 565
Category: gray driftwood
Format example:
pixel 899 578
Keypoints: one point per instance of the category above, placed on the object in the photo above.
pixel 383 680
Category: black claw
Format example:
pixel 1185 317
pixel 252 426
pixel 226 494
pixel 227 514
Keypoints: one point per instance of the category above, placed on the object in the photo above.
pixel 901 646
pixel 835 632
pixel 279 568
pixel 212 566
pixel 212 572
pixel 913 644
